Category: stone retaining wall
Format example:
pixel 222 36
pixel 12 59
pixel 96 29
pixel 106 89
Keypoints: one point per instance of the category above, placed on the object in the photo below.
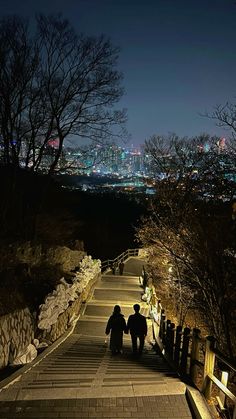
pixel 16 332
pixel 65 319
pixel 18 329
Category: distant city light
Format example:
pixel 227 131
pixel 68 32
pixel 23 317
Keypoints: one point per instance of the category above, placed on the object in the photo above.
pixel 54 143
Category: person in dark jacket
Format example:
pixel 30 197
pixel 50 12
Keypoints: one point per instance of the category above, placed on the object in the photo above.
pixel 116 325
pixel 113 269
pixel 121 268
pixel 137 326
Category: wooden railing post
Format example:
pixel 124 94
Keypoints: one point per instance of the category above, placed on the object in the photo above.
pixel 224 380
pixel 165 328
pixel 162 323
pixel 177 344
pixel 209 364
pixel 184 354
pixel 170 338
pixel 195 354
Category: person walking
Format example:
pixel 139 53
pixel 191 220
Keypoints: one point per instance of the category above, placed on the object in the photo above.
pixel 121 268
pixel 145 278
pixel 116 325
pixel 137 326
pixel 113 269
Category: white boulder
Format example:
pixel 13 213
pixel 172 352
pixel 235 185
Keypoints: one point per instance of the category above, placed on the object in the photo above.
pixel 26 356
pixel 58 300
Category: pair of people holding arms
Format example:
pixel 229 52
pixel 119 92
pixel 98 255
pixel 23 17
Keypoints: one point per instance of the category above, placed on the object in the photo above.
pixel 136 326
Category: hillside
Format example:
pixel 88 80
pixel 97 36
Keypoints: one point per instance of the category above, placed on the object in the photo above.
pixel 34 207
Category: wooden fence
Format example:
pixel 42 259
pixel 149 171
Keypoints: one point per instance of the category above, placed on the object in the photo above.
pixel 195 356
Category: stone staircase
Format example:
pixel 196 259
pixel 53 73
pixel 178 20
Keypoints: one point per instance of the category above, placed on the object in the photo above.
pixel 82 373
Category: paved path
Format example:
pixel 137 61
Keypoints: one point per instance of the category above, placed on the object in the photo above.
pixel 80 379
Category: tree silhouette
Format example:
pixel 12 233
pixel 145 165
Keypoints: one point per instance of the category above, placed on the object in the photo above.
pixel 54 83
pixel 190 229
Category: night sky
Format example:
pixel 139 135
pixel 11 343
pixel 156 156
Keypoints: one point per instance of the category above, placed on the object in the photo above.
pixel 178 56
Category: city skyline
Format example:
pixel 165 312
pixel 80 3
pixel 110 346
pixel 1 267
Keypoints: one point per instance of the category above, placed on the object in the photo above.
pixel 178 58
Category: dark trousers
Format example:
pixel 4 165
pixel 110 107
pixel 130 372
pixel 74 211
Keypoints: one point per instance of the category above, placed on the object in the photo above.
pixel 135 339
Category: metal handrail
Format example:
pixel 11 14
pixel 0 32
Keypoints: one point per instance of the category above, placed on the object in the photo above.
pixel 121 258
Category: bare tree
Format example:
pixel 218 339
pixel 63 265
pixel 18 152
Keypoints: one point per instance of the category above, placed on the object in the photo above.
pixel 192 164
pixel 55 84
pixel 18 67
pixel 225 115
pixel 191 233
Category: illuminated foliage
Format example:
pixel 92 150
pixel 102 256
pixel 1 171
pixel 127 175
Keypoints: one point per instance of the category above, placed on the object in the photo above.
pixel 188 234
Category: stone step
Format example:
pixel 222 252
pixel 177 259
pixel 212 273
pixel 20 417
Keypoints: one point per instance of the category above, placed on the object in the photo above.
pixel 106 311
pixel 107 304
pixel 137 407
pixel 76 379
pixel 127 274
pixel 117 295
pixel 77 374
pixel 91 328
pixel 122 279
pixel 127 368
pixel 103 308
pixel 119 285
pixel 90 384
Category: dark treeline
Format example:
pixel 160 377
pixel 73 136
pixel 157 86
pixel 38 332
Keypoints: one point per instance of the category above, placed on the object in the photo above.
pixel 36 208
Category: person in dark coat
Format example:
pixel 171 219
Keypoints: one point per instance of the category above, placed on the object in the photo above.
pixel 145 278
pixel 116 325
pixel 137 326
pixel 121 268
pixel 113 269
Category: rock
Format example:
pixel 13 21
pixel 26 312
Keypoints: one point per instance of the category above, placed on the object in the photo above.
pixel 42 345
pixel 36 343
pixel 58 301
pixel 67 258
pixel 23 255
pixel 26 356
